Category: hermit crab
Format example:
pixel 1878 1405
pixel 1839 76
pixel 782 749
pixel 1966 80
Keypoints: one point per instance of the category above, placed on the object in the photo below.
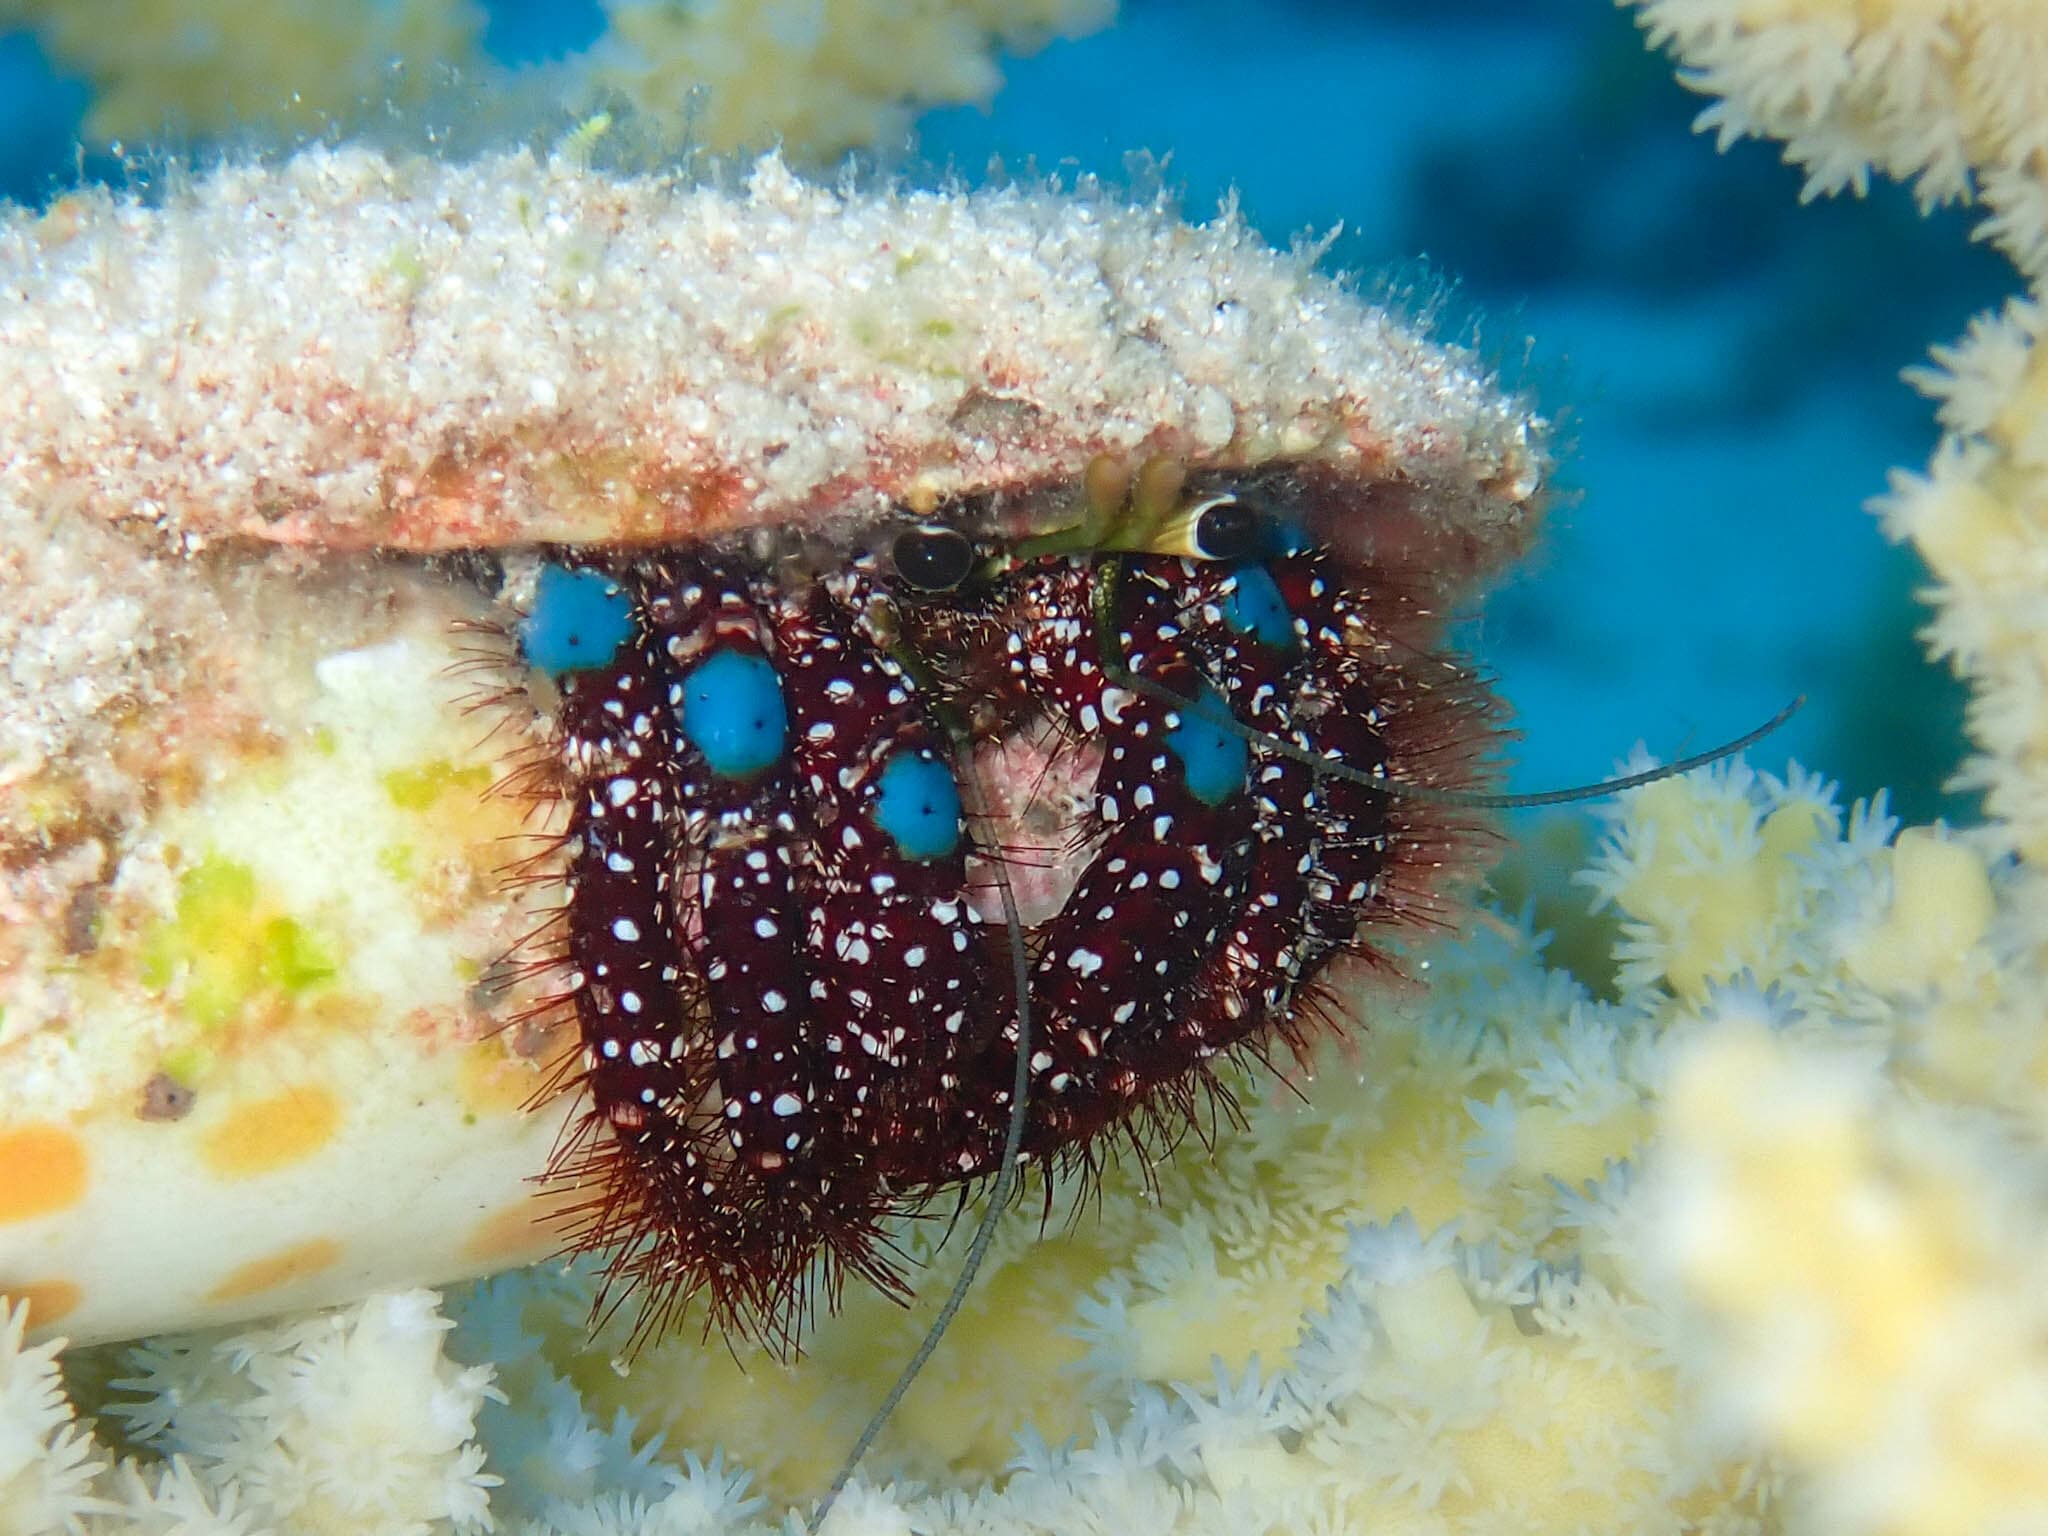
pixel 795 958
pixel 963 664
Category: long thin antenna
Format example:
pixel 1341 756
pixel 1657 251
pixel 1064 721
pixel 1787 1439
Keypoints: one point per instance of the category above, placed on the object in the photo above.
pixel 998 1195
pixel 1124 677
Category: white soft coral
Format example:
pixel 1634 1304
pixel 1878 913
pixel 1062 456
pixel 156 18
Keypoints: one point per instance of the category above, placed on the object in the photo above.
pixel 47 1463
pixel 345 1421
pixel 171 1500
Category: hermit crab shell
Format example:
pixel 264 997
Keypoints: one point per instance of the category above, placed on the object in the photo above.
pixel 252 1052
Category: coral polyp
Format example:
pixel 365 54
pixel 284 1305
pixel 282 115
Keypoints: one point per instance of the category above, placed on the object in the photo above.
pixel 783 939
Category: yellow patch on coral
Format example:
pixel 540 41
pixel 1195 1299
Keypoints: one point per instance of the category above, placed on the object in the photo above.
pixel 1265 1466
pixel 1521 1457
pixel 1793 829
pixel 1967 534
pixel 1015 1319
pixel 1710 878
pixel 1551 1144
pixel 1960 1043
pixel 274 1270
pixel 42 1169
pixel 1427 1318
pixel 272 1133
pixel 1411 1161
pixel 1202 1320
pixel 1941 908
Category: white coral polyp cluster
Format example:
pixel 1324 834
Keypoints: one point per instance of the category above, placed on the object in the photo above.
pixel 1708 870
pixel 1852 1212
pixel 47 1463
pixel 1708 1254
pixel 1946 94
pixel 352 1421
pixel 1865 1262
pixel 1976 516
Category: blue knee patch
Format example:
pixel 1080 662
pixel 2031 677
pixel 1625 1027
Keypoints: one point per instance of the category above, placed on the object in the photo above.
pixel 733 712
pixel 1214 761
pixel 580 619
pixel 1255 607
pixel 918 805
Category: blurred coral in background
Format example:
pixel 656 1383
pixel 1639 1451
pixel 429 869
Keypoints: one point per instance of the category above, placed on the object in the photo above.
pixel 816 76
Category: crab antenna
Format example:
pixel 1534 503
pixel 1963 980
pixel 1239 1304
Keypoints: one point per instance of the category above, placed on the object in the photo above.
pixel 998 1195
pixel 1400 789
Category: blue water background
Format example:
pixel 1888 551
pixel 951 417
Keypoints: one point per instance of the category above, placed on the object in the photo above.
pixel 1723 360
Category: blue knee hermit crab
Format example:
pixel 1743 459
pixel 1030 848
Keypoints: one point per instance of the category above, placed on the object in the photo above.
pixel 783 940
pixel 856 554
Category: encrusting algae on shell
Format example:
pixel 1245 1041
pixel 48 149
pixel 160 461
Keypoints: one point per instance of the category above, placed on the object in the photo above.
pixel 282 446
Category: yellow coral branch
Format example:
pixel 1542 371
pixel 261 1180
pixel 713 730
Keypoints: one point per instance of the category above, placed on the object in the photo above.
pixel 1851 1221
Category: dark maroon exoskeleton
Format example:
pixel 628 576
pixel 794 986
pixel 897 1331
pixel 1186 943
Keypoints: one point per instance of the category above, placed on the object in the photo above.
pixel 783 943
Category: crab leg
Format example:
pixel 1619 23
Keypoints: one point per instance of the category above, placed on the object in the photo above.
pixel 1242 625
pixel 1120 957
pixel 900 975
pixel 637 1011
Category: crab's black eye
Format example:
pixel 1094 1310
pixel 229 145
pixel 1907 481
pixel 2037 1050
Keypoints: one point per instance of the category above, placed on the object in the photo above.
pixel 929 558
pixel 1226 530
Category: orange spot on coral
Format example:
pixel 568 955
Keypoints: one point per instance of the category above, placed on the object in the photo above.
pixel 521 1233
pixel 42 1169
pixel 48 1300
pixel 280 1268
pixel 268 1134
